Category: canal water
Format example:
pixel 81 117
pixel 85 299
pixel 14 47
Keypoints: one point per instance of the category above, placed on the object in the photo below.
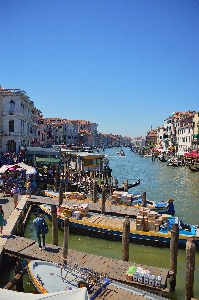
pixel 160 183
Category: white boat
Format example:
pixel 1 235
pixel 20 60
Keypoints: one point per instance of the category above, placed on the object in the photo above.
pixel 50 277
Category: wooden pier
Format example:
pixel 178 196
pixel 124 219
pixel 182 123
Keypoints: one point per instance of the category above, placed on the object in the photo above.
pixel 117 210
pixel 20 247
pixel 115 269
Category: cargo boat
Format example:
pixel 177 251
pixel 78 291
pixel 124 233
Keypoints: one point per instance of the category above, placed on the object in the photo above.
pixel 149 228
pixel 121 198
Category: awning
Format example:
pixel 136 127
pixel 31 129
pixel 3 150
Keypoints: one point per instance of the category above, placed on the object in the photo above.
pixel 192 154
pixel 47 160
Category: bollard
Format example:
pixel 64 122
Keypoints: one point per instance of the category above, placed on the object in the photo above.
pixel 144 199
pixel 65 242
pixel 125 239
pixel 61 194
pixel 94 191
pixel 54 225
pixel 173 256
pixel 103 200
pixel 190 268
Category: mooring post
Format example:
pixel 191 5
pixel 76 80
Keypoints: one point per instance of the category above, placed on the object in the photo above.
pixel 61 194
pixel 126 186
pixel 103 200
pixel 173 256
pixel 65 242
pixel 125 239
pixel 190 268
pixel 19 283
pixel 54 225
pixel 94 191
pixel 144 199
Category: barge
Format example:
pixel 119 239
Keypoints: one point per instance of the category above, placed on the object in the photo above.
pixel 149 228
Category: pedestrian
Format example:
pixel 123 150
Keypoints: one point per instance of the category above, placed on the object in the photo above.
pixel 28 189
pixel 1 219
pixel 41 229
pixel 15 192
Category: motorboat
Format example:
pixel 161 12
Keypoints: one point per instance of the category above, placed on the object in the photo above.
pixel 49 277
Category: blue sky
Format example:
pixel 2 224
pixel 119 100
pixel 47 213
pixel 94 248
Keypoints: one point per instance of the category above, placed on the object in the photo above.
pixel 126 65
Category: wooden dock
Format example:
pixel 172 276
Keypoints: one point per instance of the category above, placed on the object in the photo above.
pixel 116 269
pixel 117 210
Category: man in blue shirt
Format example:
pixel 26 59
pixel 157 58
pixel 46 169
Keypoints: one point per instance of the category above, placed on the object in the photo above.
pixel 37 222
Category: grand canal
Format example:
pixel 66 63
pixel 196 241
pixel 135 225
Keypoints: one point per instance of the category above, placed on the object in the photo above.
pixel 160 183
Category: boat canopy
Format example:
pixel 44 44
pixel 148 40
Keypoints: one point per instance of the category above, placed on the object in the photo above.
pixel 80 294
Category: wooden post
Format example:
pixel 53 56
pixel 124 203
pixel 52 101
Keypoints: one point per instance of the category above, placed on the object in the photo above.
pixel 94 191
pixel 54 225
pixel 103 200
pixel 126 186
pixel 65 242
pixel 125 239
pixel 61 194
pixel 16 281
pixel 19 282
pixel 144 199
pixel 190 268
pixel 173 256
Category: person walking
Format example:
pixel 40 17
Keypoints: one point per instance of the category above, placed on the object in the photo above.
pixel 28 189
pixel 15 192
pixel 1 220
pixel 41 229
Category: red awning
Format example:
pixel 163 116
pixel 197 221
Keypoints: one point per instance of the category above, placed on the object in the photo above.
pixel 193 154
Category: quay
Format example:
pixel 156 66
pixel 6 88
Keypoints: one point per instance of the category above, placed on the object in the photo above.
pixel 19 247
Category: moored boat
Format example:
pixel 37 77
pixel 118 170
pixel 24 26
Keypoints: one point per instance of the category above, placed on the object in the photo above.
pixel 49 277
pixel 149 228
pixel 193 168
pixel 135 201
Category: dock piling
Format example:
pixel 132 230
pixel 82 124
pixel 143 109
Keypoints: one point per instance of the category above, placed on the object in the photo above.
pixel 126 186
pixel 125 239
pixel 54 225
pixel 103 200
pixel 61 194
pixel 144 199
pixel 65 242
pixel 190 268
pixel 94 191
pixel 173 256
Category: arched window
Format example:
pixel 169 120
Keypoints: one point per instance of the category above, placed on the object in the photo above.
pixel 11 126
pixel 12 107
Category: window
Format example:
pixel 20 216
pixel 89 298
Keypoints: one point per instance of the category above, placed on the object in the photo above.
pixel 12 107
pixel 11 126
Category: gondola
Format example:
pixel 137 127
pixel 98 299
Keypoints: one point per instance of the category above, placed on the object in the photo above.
pixel 193 168
pixel 130 185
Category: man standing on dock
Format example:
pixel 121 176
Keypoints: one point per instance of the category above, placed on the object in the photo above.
pixel 41 229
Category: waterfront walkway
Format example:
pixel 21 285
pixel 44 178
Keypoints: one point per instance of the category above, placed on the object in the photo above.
pixel 21 247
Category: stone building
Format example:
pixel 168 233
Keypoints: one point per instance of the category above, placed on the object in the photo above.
pixel 15 120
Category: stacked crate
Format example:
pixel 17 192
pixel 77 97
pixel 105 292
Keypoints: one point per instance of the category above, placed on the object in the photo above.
pixel 148 220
